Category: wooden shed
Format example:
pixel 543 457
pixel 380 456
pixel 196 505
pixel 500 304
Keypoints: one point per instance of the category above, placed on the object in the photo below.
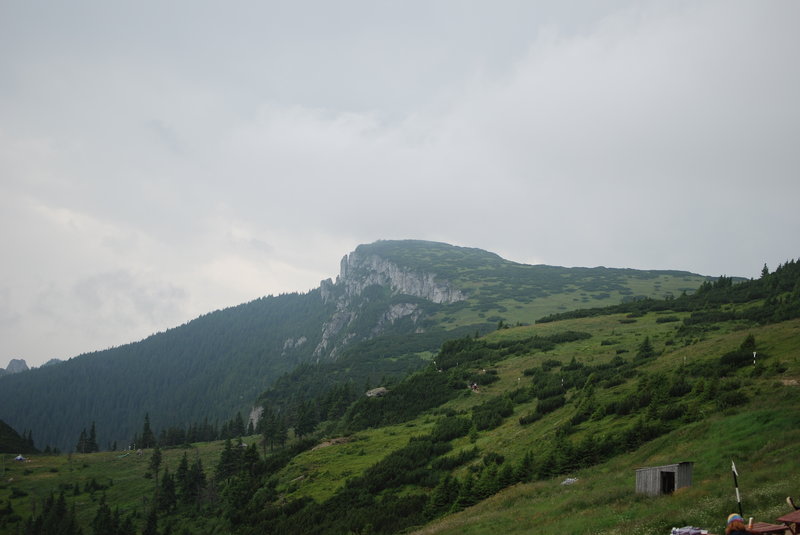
pixel 657 480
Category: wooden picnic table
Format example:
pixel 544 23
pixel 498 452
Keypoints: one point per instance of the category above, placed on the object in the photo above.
pixel 791 520
pixel 766 527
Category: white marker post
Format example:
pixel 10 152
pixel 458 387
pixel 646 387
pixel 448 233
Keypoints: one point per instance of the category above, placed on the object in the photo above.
pixel 736 485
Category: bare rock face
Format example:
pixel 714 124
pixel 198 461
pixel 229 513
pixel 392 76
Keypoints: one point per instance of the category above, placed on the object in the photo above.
pixel 360 271
pixel 16 366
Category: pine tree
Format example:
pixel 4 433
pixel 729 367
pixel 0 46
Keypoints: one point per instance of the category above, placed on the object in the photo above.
pixel 228 463
pixel 182 480
pixel 151 525
pixel 91 443
pixel 237 426
pixel 81 446
pixel 103 522
pixel 148 439
pixel 155 463
pixel 266 426
pixel 197 481
pixel 167 497
pixel 306 419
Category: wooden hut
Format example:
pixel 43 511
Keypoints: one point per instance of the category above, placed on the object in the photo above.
pixel 657 480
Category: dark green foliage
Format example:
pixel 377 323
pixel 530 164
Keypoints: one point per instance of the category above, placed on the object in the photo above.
pixel 211 367
pixel 780 292
pixel 87 443
pixel 7 515
pixel 190 482
pixel 732 398
pixel 419 392
pixel 667 319
pixel 443 497
pixel 491 413
pixel 229 461
pixel 103 522
pixel 167 494
pixel 147 439
pixel 151 524
pixel 548 405
pixel 449 462
pixel 645 350
pixel 55 519
pixel 450 427
pixel 12 442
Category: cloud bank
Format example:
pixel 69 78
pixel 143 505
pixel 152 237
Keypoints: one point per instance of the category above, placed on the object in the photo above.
pixel 161 161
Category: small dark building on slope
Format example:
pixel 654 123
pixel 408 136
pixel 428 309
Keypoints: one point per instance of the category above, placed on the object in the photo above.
pixel 657 480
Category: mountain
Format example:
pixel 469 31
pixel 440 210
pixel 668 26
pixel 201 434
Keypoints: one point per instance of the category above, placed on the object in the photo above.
pixel 388 311
pixel 531 428
pixel 15 366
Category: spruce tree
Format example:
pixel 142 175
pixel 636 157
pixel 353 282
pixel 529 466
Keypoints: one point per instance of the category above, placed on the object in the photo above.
pixel 91 444
pixel 148 439
pixel 197 481
pixel 151 525
pixel 167 497
pixel 80 447
pixel 228 462
pixel 182 483
pixel 237 426
pixel 103 522
pixel 155 462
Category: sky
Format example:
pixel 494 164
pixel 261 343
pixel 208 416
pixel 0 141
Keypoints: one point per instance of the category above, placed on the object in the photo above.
pixel 161 160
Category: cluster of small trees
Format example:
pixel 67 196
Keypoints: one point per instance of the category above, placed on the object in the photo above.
pixel 87 442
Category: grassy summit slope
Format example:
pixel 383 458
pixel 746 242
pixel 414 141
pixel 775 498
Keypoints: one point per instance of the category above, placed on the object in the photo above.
pixel 500 289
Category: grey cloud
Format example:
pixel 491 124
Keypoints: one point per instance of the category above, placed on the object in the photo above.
pixel 208 154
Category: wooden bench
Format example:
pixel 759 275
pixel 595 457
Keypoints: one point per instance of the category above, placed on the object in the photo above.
pixel 791 520
pixel 765 527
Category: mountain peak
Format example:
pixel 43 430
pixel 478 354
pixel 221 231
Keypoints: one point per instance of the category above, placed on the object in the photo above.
pixel 16 366
pixel 407 267
pixel 402 271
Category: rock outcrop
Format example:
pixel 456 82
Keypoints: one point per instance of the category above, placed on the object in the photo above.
pixel 16 366
pixel 360 271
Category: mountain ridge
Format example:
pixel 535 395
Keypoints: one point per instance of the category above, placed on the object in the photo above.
pixel 392 305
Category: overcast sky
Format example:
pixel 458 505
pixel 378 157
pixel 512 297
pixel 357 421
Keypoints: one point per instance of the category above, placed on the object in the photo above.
pixel 160 160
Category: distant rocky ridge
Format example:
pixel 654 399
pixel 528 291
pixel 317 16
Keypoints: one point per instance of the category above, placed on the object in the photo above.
pixel 15 366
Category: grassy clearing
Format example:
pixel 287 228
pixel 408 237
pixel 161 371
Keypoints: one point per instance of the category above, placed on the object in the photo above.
pixel 764 443
pixel 122 474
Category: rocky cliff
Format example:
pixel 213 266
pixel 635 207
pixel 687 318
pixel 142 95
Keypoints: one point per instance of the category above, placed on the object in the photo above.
pixel 15 366
pixel 362 270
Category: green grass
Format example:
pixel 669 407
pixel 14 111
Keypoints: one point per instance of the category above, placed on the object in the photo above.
pixel 763 438
pixel 321 471
pixel 128 488
pixel 764 443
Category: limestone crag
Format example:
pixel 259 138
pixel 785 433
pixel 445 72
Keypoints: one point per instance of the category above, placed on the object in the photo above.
pixel 360 271
pixel 16 366
pixel 396 312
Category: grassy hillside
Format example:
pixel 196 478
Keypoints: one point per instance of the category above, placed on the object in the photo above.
pixel 481 439
pixel 761 436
